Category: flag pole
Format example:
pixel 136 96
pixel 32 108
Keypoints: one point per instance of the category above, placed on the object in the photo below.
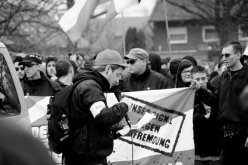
pixel 167 27
pixel 123 35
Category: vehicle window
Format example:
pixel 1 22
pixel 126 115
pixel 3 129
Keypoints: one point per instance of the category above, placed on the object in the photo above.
pixel 9 102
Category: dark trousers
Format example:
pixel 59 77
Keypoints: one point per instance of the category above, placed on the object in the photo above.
pixel 234 151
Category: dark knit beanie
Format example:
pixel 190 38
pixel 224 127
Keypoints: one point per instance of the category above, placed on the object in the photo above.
pixel 190 58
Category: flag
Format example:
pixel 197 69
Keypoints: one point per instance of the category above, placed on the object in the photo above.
pixel 118 6
pixel 75 20
pixel 166 139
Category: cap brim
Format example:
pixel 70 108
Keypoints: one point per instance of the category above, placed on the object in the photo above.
pixel 124 65
pixel 129 56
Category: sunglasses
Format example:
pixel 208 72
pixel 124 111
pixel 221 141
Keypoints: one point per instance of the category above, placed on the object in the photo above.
pixel 29 65
pixel 19 68
pixel 131 61
pixel 226 55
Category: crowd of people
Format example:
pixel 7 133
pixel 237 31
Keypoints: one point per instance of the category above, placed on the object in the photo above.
pixel 220 118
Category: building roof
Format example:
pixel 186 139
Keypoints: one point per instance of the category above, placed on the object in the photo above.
pixel 174 13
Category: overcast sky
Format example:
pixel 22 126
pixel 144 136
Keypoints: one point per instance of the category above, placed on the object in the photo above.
pixel 144 9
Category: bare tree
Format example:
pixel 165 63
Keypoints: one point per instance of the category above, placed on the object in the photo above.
pixel 225 15
pixel 27 25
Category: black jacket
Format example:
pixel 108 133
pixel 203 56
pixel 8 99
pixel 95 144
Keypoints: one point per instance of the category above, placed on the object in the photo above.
pixel 207 132
pixel 149 80
pixel 94 139
pixel 40 87
pixel 230 87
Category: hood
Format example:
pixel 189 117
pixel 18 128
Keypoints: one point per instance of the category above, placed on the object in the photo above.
pixel 92 74
pixel 179 82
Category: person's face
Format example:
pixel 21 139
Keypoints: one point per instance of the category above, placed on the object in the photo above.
pixel 229 57
pixel 31 69
pixel 200 79
pixel 20 70
pixel 114 76
pixel 51 68
pixel 186 74
pixel 136 66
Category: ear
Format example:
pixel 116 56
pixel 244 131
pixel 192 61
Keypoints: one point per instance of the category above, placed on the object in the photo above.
pixel 239 55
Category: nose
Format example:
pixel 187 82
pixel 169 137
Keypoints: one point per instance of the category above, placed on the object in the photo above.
pixel 223 58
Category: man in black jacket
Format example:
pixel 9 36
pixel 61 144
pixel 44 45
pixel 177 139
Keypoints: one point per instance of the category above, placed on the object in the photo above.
pixel 231 115
pixel 37 84
pixel 140 76
pixel 92 142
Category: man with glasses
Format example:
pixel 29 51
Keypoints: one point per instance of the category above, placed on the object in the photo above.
pixel 231 114
pixel 37 84
pixel 19 68
pixel 140 76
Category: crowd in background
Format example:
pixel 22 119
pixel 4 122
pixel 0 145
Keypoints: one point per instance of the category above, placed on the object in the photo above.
pixel 219 121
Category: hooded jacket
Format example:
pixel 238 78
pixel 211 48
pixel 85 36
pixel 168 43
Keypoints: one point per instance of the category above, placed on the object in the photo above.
pixel 183 65
pixel 94 139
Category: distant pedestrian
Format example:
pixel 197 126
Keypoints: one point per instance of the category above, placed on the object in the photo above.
pixel 50 68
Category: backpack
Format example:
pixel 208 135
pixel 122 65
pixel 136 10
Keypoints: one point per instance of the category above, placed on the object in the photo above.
pixel 58 111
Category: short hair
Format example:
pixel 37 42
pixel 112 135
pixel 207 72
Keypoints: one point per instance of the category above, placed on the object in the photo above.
pixel 101 68
pixel 18 59
pixel 237 47
pixel 199 69
pixel 62 67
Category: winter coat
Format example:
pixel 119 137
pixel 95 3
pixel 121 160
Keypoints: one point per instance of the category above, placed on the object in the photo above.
pixel 94 138
pixel 227 96
pixel 40 87
pixel 149 80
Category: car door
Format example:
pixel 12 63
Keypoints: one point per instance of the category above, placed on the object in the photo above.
pixel 13 107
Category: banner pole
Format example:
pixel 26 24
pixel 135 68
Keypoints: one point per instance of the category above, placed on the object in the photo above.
pixel 123 35
pixel 167 28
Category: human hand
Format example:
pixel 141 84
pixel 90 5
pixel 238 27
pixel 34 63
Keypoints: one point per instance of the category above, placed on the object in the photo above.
pixel 125 130
pixel 127 101
pixel 54 77
pixel 207 115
